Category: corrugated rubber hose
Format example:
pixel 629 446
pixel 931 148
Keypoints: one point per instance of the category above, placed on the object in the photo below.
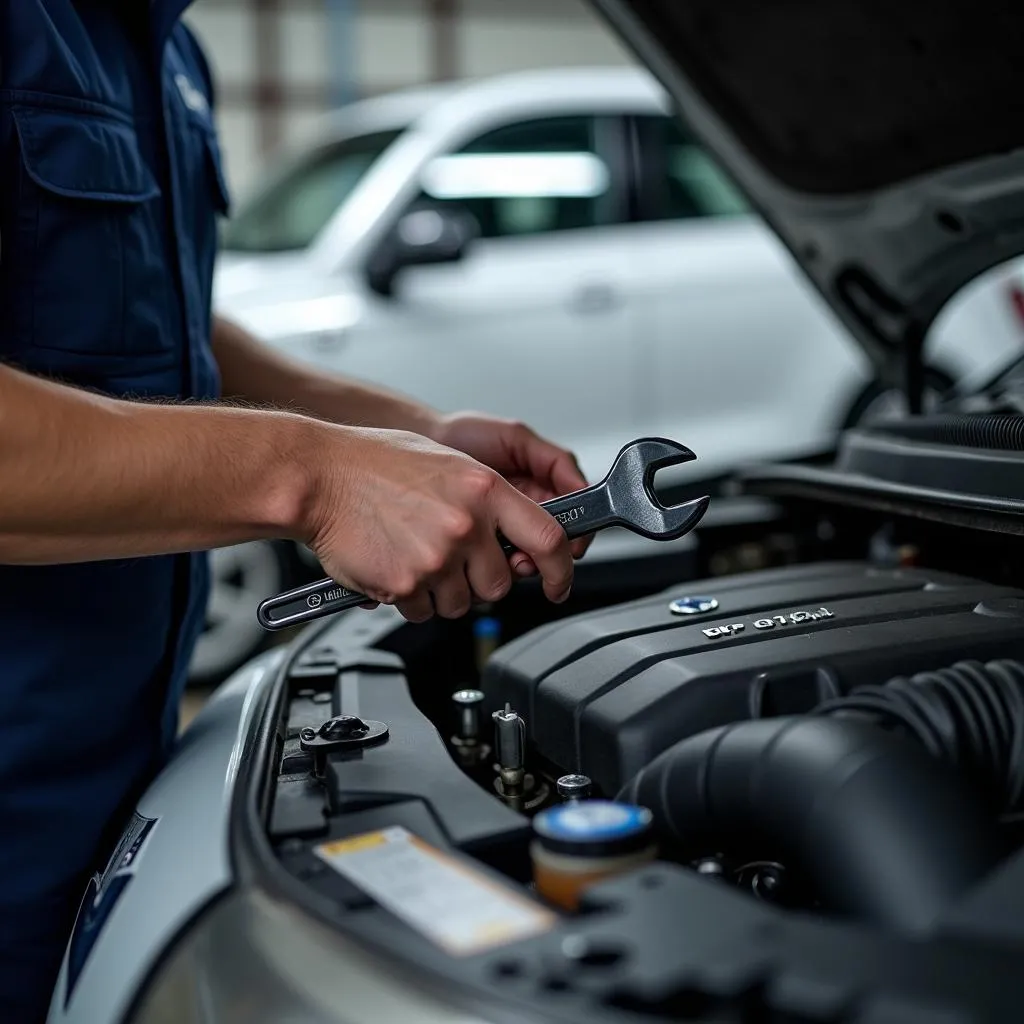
pixel 994 431
pixel 969 715
pixel 884 832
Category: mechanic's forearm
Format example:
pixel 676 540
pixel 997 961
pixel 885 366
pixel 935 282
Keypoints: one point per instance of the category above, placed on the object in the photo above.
pixel 256 373
pixel 86 477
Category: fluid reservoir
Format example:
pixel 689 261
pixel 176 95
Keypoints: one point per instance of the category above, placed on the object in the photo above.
pixel 579 843
pixel 486 640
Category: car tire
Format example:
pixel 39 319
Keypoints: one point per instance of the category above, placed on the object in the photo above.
pixel 240 577
pixel 876 402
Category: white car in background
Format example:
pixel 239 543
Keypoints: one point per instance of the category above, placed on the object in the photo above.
pixel 483 244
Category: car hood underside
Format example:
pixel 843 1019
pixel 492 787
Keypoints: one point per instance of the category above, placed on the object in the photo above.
pixel 881 141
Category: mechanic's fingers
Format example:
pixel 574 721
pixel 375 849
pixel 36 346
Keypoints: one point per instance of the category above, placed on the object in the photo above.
pixel 533 489
pixel 452 596
pixel 523 568
pixel 538 535
pixel 489 573
pixel 566 475
pixel 579 546
pixel 522 565
pixel 553 465
pixel 417 608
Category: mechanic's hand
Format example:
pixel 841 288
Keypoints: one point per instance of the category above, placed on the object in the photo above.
pixel 534 466
pixel 409 522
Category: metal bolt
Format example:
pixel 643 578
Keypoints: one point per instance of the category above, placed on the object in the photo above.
pixel 573 787
pixel 467 704
pixel 709 867
pixel 308 734
pixel 768 882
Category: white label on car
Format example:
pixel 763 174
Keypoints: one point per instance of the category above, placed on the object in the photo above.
pixel 449 902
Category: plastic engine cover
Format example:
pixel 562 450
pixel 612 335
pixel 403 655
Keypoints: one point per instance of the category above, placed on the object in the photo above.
pixel 604 692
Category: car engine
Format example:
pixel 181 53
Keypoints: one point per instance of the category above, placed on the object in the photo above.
pixel 787 793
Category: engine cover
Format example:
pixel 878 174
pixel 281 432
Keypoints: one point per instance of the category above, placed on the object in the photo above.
pixel 604 693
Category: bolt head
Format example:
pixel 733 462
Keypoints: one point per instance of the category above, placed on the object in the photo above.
pixel 573 786
pixel 710 867
pixel 768 881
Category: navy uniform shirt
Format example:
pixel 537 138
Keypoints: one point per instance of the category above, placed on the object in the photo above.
pixel 110 187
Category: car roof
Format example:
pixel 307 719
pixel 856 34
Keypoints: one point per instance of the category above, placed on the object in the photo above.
pixel 402 108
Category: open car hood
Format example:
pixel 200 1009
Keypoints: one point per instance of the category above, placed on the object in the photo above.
pixel 882 141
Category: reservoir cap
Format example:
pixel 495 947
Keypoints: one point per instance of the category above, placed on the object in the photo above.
pixel 595 828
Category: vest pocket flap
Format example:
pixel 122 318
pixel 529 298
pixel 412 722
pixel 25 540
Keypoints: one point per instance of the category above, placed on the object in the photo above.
pixel 83 156
pixel 221 192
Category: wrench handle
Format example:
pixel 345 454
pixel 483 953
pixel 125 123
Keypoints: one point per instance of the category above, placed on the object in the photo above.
pixel 579 513
pixel 303 604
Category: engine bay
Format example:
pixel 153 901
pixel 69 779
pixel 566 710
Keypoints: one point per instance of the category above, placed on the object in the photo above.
pixel 786 794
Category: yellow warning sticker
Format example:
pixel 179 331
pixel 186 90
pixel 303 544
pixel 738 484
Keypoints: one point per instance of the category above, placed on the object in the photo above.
pixel 352 844
pixel 451 903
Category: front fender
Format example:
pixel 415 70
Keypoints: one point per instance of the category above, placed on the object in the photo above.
pixel 171 863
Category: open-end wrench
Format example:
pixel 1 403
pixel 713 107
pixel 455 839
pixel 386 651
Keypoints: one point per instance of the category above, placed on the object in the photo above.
pixel 625 497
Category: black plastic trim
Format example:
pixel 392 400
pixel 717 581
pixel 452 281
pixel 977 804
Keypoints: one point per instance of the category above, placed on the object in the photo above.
pixel 256 866
pixel 996 515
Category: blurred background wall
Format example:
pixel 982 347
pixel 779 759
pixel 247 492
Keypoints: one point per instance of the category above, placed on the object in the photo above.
pixel 281 63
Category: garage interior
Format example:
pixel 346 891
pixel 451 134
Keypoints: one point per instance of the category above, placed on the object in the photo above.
pixel 281 64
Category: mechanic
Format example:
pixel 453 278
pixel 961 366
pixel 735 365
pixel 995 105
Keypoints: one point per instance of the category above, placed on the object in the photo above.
pixel 110 186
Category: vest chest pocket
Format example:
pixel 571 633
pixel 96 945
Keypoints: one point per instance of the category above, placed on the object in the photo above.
pixel 90 246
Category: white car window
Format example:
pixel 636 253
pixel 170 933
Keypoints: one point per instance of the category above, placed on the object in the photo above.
pixel 532 177
pixel 290 213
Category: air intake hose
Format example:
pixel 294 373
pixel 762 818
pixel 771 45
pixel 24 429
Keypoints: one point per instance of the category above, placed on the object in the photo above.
pixel 885 833
pixel 994 431
pixel 969 715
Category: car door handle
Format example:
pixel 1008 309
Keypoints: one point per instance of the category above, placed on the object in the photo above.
pixel 327 340
pixel 593 298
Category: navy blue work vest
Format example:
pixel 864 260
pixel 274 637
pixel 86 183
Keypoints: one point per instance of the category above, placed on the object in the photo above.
pixel 110 187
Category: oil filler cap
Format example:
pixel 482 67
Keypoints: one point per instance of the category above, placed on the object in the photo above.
pixel 595 828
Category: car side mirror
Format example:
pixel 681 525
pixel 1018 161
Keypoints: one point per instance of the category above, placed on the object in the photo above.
pixel 425 235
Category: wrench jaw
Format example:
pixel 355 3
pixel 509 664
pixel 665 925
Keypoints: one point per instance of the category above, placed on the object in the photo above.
pixel 643 458
pixel 638 508
pixel 678 520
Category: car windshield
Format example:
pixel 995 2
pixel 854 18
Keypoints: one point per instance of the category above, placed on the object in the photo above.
pixel 290 213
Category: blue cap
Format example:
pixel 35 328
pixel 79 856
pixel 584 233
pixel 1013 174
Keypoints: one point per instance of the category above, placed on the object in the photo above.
pixel 593 828
pixel 487 628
